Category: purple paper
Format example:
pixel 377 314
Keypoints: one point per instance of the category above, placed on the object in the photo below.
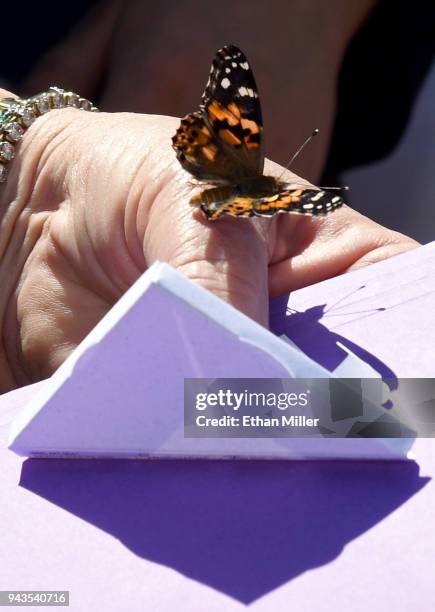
pixel 384 313
pixel 277 535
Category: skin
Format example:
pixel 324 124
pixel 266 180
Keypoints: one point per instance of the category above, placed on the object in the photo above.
pixel 92 200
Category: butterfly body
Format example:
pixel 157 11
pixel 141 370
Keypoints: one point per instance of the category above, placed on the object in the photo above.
pixel 222 144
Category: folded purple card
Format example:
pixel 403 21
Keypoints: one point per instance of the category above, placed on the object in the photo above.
pixel 121 392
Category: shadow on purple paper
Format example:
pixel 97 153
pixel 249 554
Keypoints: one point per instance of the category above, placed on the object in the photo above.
pixel 241 527
pixel 319 343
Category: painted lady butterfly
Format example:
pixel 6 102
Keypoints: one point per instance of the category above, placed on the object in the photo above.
pixel 222 144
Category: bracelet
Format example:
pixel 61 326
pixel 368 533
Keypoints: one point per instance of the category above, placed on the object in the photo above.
pixel 17 114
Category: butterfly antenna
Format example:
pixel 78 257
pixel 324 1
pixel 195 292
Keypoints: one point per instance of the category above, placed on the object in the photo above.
pixel 299 151
pixel 344 188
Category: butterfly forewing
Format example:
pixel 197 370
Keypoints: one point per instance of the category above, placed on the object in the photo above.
pixel 311 202
pixel 200 152
pixel 303 201
pixel 232 109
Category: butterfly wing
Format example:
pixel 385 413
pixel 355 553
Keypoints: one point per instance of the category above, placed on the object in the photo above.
pixel 236 207
pixel 302 201
pixel 232 110
pixel 199 151
pixel 223 140
pixel 222 143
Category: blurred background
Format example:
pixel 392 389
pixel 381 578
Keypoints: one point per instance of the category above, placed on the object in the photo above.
pixel 399 190
pixel 362 71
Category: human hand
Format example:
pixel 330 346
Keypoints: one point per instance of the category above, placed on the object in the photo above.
pixel 93 199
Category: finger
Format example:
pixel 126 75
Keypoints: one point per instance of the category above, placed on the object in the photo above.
pixel 340 242
pixel 228 257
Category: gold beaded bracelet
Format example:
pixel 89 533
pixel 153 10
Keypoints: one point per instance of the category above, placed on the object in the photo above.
pixel 17 114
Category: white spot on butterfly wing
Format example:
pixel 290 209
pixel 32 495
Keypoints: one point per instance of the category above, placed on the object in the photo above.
pixel 247 91
pixel 225 83
pixel 244 65
pixel 317 196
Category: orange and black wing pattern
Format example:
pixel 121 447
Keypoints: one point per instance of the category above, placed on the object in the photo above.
pixel 231 106
pixel 311 202
pixel 223 140
pixel 222 144
pixel 199 152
